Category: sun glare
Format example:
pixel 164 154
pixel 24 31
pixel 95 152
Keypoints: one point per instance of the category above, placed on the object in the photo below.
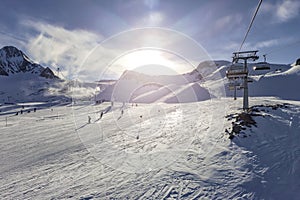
pixel 154 62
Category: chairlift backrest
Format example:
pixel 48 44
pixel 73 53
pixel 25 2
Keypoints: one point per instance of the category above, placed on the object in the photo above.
pixel 262 66
pixel 236 70
pixel 236 66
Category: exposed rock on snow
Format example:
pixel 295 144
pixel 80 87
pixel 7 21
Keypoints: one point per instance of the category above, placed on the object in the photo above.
pixel 245 120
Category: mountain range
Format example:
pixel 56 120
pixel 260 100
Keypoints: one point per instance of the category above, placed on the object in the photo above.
pixel 21 80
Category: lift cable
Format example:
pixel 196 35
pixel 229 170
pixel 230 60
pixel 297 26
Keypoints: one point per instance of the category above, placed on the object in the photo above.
pixel 250 25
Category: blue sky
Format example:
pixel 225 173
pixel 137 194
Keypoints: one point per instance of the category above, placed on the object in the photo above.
pixel 63 32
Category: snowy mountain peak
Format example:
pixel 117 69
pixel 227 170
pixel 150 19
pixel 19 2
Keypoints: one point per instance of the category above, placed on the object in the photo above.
pixel 11 51
pixel 13 61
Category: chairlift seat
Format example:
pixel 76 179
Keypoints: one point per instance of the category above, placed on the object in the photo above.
pixel 231 87
pixel 236 74
pixel 261 66
pixel 236 70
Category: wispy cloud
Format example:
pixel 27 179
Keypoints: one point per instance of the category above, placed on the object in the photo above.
pixel 58 47
pixel 267 43
pixel 287 10
pixel 282 11
pixel 228 22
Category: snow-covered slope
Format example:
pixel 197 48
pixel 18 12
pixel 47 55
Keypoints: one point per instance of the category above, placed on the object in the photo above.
pixel 207 81
pixel 22 80
pixel 151 151
pixel 182 152
pixel 29 87
pixel 280 81
pixel 141 88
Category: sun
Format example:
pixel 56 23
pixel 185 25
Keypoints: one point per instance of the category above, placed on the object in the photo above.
pixel 153 62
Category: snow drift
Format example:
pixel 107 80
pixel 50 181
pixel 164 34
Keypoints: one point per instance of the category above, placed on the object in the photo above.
pixel 141 88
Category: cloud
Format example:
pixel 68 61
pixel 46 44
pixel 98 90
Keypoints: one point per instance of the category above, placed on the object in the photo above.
pixel 287 10
pixel 267 43
pixel 154 18
pixel 87 56
pixel 151 3
pixel 58 47
pixel 228 22
pixel 282 11
pixel 8 39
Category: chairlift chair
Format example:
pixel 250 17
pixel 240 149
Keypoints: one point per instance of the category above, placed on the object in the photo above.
pixel 262 65
pixel 236 70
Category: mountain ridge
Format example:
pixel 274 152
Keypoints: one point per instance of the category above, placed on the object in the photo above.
pixel 14 61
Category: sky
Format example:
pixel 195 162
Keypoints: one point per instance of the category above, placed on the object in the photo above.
pixel 90 37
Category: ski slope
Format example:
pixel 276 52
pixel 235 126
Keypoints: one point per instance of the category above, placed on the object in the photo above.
pixel 149 151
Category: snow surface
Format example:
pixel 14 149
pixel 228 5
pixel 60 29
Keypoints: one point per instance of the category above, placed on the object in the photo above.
pixel 182 152
pixel 161 150
pixel 140 88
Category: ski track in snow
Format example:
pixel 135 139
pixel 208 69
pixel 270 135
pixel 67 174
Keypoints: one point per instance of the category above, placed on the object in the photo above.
pixel 44 155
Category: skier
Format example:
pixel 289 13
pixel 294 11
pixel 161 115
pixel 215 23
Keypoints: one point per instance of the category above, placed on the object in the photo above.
pixel 89 119
pixel 101 114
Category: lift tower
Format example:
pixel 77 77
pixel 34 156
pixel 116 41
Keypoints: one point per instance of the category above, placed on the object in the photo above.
pixel 242 72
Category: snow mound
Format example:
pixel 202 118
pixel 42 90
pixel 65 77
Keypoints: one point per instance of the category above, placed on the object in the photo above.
pixel 271 134
pixel 141 88
pixel 280 81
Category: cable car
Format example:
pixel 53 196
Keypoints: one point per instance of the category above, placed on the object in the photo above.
pixel 236 70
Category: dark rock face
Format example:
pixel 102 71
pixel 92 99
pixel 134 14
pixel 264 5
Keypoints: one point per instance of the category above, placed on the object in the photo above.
pixel 13 61
pixel 3 73
pixel 298 62
pixel 48 73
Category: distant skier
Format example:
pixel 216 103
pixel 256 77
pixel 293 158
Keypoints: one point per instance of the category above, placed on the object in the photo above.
pixel 89 119
pixel 101 114
pixel 122 112
pixel 21 112
pixel 34 110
